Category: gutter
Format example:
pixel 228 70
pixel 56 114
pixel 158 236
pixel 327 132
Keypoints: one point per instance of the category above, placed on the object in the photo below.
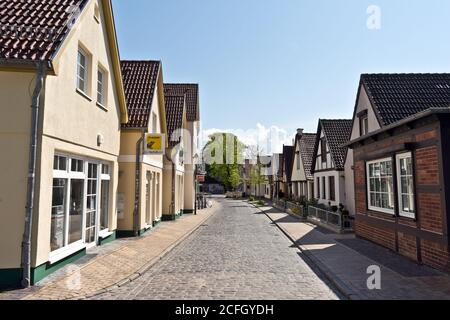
pixel 172 203
pixel 417 116
pixel 31 185
pixel 137 192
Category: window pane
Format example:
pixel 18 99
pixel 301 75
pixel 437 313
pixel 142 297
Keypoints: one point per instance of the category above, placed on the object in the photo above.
pixel 104 224
pixel 60 163
pixel 77 165
pixel 105 169
pixel 76 210
pixel 57 237
pixel 100 87
pixel 81 71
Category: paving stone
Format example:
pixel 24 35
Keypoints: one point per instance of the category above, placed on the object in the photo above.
pixel 238 255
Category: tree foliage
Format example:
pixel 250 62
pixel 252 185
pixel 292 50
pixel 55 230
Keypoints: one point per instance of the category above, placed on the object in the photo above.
pixel 224 153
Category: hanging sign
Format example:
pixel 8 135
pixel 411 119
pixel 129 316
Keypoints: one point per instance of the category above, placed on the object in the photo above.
pixel 154 143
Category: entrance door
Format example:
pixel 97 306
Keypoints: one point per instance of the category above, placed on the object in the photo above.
pixel 91 205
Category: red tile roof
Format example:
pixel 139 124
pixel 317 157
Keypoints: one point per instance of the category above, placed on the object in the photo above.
pixel 175 108
pixel 140 79
pixel 35 29
pixel 191 91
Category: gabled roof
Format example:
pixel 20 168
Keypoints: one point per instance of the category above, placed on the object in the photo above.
pixel 306 142
pixel 191 90
pixel 48 22
pixel 337 134
pixel 175 115
pixel 140 79
pixel 277 162
pixel 288 159
pixel 399 96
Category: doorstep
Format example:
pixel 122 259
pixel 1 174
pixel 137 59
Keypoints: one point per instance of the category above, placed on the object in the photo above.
pixel 114 263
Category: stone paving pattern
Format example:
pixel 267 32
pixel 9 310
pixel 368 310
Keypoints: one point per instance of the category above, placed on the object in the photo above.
pixel 238 255
pixel 115 263
pixel 347 258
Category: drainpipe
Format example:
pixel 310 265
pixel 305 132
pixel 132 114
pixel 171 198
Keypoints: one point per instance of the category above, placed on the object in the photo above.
pixel 172 203
pixel 26 243
pixel 137 194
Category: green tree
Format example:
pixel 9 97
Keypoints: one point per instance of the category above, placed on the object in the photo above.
pixel 256 177
pixel 224 155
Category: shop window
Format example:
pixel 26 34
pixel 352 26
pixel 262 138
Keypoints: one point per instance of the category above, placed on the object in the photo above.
pixel 77 199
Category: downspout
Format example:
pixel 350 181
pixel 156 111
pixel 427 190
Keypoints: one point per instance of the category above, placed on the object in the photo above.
pixel 172 203
pixel 31 185
pixel 137 194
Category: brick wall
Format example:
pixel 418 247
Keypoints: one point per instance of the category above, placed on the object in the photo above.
pixel 429 202
pixel 383 237
pixel 407 245
pixel 430 209
pixel 435 255
pixel 427 166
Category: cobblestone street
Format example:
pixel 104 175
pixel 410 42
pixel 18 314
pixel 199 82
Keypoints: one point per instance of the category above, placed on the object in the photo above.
pixel 237 254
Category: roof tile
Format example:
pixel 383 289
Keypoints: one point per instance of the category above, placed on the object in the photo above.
pixel 337 133
pixel 34 29
pixel 174 115
pixel 192 97
pixel 139 79
pixel 399 96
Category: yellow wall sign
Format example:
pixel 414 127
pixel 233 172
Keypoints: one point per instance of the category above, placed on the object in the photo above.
pixel 154 144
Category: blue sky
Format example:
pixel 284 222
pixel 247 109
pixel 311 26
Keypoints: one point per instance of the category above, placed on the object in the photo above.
pixel 283 63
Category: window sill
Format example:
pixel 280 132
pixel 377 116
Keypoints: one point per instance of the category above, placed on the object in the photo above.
pixel 407 216
pixel 65 252
pixel 102 106
pixel 84 95
pixel 379 210
pixel 105 234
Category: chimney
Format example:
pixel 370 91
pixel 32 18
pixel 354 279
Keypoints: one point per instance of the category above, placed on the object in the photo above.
pixel 300 132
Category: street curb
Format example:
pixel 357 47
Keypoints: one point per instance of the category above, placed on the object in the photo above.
pixel 343 288
pixel 148 265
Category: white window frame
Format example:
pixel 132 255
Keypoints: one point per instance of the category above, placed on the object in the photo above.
pixel 86 70
pixel 70 249
pixel 104 86
pixel 368 191
pixel 104 177
pixel 402 213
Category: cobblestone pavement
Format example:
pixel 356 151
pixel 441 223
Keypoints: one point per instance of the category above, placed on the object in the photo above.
pixel 239 254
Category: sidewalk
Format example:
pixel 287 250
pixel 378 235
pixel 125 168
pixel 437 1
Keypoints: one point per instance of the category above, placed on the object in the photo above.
pixel 116 263
pixel 344 260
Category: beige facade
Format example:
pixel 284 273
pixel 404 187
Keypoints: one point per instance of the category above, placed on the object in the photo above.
pixel 79 144
pixel 173 206
pixel 191 148
pixel 149 199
